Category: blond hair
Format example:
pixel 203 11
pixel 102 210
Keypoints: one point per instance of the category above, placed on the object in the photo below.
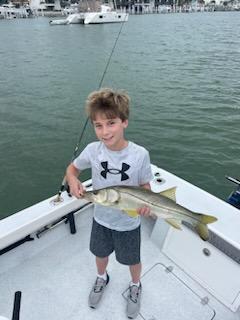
pixel 109 102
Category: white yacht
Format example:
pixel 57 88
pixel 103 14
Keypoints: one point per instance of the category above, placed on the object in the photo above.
pixel 46 265
pixel 105 15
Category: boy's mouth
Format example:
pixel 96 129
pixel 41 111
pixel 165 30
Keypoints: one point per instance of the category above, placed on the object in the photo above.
pixel 107 139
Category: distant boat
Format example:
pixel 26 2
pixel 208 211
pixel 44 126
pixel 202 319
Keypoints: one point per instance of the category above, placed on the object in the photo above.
pixel 58 22
pixel 105 15
pixel 74 18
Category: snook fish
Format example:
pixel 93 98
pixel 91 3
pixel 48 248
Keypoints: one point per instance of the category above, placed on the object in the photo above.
pixel 162 205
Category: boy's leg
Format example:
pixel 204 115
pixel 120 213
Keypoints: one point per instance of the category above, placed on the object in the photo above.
pixel 97 291
pixel 127 249
pixel 100 283
pixel 135 271
pixel 101 265
pixel 101 246
pixel 134 292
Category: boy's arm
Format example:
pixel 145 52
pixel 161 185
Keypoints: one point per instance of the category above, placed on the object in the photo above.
pixel 76 187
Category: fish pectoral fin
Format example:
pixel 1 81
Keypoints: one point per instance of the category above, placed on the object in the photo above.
pixel 169 193
pixel 174 223
pixel 131 212
pixel 113 196
pixel 201 226
pixel 202 231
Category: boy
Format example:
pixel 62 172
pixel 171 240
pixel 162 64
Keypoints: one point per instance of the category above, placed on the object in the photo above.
pixel 114 161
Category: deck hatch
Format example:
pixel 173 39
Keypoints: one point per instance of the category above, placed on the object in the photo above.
pixel 171 297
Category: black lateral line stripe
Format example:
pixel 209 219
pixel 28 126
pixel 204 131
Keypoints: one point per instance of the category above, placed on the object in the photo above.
pixel 159 206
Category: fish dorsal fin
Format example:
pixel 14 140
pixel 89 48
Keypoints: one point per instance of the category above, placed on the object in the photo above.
pixel 169 193
pixel 174 223
pixel 131 212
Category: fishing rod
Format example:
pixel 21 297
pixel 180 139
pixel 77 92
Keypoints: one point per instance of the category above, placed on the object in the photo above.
pixel 64 185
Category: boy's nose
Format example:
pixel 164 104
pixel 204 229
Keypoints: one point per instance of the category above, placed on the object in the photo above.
pixel 104 130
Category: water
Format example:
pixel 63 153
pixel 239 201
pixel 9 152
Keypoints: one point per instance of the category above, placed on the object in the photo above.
pixel 181 71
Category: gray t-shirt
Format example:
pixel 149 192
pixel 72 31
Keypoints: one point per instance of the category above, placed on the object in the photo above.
pixel 129 166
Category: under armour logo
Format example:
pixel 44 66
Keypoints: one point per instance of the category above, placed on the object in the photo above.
pixel 106 170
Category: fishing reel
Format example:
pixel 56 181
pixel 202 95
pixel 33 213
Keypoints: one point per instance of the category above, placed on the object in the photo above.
pixel 234 197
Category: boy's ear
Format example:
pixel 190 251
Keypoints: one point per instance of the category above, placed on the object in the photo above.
pixel 125 123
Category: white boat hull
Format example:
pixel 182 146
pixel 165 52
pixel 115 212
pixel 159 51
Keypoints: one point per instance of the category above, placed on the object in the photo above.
pixel 58 22
pixel 58 266
pixel 107 17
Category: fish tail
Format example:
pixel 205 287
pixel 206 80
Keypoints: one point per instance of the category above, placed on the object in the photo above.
pixel 202 228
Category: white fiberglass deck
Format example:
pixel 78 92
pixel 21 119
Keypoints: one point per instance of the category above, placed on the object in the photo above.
pixel 55 273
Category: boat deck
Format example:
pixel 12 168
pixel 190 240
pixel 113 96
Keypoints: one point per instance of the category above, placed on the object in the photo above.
pixel 55 274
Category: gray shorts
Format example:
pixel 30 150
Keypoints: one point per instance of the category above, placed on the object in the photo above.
pixel 126 244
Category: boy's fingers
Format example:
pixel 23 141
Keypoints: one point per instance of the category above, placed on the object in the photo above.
pixel 144 211
pixel 76 193
pixel 81 191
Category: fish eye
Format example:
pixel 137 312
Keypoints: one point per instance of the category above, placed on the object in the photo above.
pixel 95 192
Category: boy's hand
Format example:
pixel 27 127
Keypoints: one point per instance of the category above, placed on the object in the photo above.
pixel 144 211
pixel 76 188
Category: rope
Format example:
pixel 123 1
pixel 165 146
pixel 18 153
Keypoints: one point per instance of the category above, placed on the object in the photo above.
pixel 64 182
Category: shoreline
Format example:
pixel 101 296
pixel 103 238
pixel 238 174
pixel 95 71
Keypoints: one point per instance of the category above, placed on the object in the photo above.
pixel 140 9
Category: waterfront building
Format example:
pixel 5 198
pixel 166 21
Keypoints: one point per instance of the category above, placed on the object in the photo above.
pixel 13 11
pixel 45 5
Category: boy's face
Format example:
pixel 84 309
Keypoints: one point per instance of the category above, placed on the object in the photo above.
pixel 110 131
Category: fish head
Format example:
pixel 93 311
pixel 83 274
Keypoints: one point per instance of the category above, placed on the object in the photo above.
pixel 100 196
pixel 96 196
pixel 106 197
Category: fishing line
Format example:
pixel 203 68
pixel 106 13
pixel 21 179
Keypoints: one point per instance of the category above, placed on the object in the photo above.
pixel 64 182
pixel 99 86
